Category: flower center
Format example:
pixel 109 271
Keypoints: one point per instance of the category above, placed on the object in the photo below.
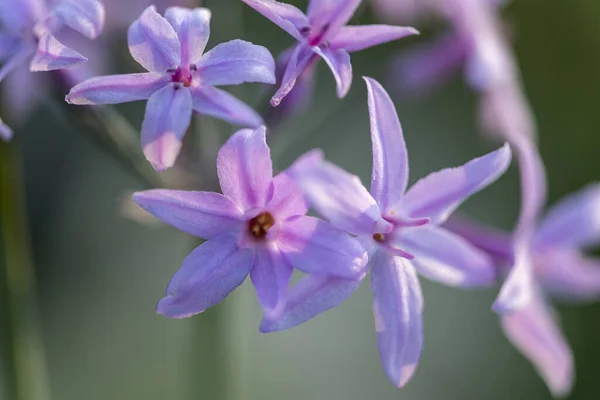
pixel 182 75
pixel 379 237
pixel 315 38
pixel 260 225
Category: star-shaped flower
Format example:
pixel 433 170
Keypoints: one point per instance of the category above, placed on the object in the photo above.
pixel 322 32
pixel 180 79
pixel 400 231
pixel 257 226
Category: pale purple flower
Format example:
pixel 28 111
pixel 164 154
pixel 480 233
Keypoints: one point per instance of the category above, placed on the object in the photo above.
pixel 180 79
pixel 323 32
pixel 257 226
pixel 400 231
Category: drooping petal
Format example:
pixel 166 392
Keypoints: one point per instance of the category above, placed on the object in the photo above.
pixel 286 16
pixel 288 200
pixel 573 222
pixel 300 59
pixel 390 158
pixel 356 38
pixel 207 276
pixel 218 103
pixel 244 168
pixel 518 288
pixel 535 332
pixel 437 195
pixel 398 307
pixel 5 132
pixel 115 89
pixel 313 295
pixel 338 61
pixel 84 16
pixel 52 55
pixel 153 42
pixel 202 214
pixel 271 275
pixel 445 257
pixel 337 195
pixel 569 275
pixel 236 62
pixel 328 16
pixel 193 30
pixel 168 115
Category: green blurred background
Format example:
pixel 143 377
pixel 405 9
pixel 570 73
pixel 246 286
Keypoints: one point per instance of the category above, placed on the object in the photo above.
pixel 100 274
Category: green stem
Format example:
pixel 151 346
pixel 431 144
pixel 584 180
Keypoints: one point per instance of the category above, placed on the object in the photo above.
pixel 24 348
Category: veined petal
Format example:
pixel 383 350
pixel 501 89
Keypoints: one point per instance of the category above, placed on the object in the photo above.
pixel 338 61
pixel 193 30
pixel 356 38
pixel 574 222
pixel 244 168
pixel 328 16
pixel 288 200
pixel 5 132
pixel 518 288
pixel 271 275
pixel 535 332
pixel 569 275
pixel 445 257
pixel 286 16
pixel 236 62
pixel 313 295
pixel 52 54
pixel 115 89
pixel 337 195
pixel 437 195
pixel 315 247
pixel 207 276
pixel 390 158
pixel 202 214
pixel 300 59
pixel 153 42
pixel 218 103
pixel 168 115
pixel 398 308
pixel 84 16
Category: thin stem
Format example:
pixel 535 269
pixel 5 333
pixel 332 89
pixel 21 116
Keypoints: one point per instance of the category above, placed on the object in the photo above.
pixel 24 347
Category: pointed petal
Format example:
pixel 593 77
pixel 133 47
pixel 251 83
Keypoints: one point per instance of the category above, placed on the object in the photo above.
pixel 446 258
pixel 244 168
pixel 193 30
pixel 84 16
pixel 390 158
pixel 300 59
pixel 271 275
pixel 356 38
pixel 5 132
pixel 328 16
pixel 535 332
pixel 168 115
pixel 153 42
pixel 115 89
pixel 236 62
pixel 286 16
pixel 569 275
pixel 207 276
pixel 494 242
pixel 202 214
pixel 437 195
pixel 218 103
pixel 337 195
pixel 288 200
pixel 518 288
pixel 52 54
pixel 398 308
pixel 574 222
pixel 313 295
pixel 339 63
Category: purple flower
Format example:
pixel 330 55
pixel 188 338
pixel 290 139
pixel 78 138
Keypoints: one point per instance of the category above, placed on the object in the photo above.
pixel 322 32
pixel 180 79
pixel 400 231
pixel 257 226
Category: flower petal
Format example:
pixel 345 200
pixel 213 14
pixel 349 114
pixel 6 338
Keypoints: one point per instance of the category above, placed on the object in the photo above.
pixel 288 200
pixel 518 288
pixel 202 214
pixel 115 89
pixel 271 275
pixel 569 275
pixel 218 103
pixel 390 158
pixel 437 195
pixel 496 243
pixel 535 332
pixel 398 308
pixel 168 115
pixel 315 247
pixel 339 63
pixel 84 16
pixel 286 16
pixel 207 276
pixel 52 54
pixel 300 59
pixel 193 30
pixel 244 168
pixel 328 16
pixel 574 222
pixel 356 38
pixel 236 62
pixel 5 132
pixel 313 295
pixel 445 257
pixel 153 42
